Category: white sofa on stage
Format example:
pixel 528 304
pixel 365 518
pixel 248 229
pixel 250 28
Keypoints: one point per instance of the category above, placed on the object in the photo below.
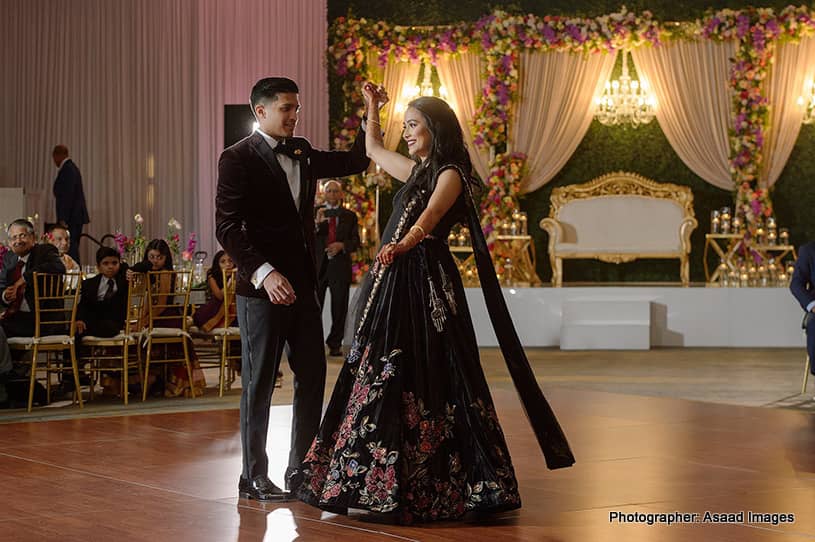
pixel 617 218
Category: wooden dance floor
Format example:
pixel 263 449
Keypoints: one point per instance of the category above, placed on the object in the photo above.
pixel 639 459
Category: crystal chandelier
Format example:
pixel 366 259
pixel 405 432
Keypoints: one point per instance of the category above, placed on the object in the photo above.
pixel 809 103
pixel 411 92
pixel 625 101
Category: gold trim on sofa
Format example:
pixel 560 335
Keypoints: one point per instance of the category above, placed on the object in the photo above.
pixel 619 184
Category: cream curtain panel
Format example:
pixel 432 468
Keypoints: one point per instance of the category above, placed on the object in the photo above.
pixel 121 82
pixel 794 66
pixel 395 77
pixel 556 108
pixel 694 110
pixel 461 76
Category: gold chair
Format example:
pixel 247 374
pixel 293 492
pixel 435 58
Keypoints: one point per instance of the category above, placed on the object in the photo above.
pixel 224 336
pixel 168 301
pixel 808 361
pixel 55 303
pixel 128 339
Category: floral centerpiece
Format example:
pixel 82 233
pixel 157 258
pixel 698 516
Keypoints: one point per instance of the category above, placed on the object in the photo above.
pixel 124 244
pixel 173 237
pixel 360 197
pixel 503 186
pixel 190 251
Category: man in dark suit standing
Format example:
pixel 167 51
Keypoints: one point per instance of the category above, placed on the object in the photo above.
pixel 70 196
pixel 337 239
pixel 802 287
pixel 19 265
pixel 264 213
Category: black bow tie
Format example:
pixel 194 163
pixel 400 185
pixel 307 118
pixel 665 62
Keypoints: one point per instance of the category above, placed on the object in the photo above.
pixel 289 149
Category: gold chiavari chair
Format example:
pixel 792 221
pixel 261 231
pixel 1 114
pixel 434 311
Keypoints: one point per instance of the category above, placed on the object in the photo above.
pixel 55 303
pixel 122 360
pixel 168 301
pixel 224 336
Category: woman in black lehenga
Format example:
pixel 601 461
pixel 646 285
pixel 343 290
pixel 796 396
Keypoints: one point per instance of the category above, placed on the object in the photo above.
pixel 411 430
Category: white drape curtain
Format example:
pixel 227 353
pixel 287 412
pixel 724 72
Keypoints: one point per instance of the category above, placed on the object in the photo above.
pixel 690 81
pixel 794 65
pixel 395 76
pixel 555 110
pixel 120 82
pixel 461 75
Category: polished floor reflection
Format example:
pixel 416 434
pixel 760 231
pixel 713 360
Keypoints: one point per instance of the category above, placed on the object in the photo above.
pixel 174 477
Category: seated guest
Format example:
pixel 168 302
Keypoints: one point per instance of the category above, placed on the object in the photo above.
pixel 57 234
pixel 103 303
pixel 157 257
pixel 210 315
pixel 802 287
pixel 19 265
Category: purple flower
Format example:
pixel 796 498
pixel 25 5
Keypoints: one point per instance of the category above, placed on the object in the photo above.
pixel 575 33
pixel 548 34
pixel 742 25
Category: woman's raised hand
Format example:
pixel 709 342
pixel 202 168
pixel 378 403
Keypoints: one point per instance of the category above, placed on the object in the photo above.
pixel 374 94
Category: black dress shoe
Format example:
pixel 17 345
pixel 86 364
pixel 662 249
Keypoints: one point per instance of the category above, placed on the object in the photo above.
pixel 260 489
pixel 335 352
pixel 293 478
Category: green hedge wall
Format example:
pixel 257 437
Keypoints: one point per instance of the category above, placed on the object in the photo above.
pixel 643 150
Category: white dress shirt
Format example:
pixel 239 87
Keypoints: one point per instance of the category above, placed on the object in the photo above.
pixel 291 168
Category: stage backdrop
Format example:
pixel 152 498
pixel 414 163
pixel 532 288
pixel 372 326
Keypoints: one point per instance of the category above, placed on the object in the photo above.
pixel 603 149
pixel 136 90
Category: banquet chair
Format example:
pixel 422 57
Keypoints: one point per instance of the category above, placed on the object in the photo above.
pixel 168 302
pixel 808 361
pixel 224 336
pixel 97 350
pixel 55 303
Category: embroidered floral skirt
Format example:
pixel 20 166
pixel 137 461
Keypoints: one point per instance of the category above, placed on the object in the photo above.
pixel 411 428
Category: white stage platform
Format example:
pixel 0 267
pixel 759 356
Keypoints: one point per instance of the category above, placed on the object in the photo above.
pixel 692 317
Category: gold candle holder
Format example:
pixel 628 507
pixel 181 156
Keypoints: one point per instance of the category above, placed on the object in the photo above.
pixel 784 236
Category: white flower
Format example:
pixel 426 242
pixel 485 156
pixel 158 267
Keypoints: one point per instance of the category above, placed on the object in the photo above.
pixel 139 218
pixel 173 223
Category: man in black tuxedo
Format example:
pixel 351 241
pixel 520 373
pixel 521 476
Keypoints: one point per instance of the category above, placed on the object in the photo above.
pixel 337 238
pixel 103 298
pixel 264 213
pixel 802 287
pixel 19 265
pixel 70 196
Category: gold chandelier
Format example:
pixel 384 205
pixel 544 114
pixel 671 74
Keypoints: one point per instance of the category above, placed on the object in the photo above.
pixel 809 103
pixel 411 92
pixel 625 101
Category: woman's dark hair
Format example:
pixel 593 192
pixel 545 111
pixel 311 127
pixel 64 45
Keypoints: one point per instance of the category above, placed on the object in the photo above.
pixel 448 146
pixel 215 270
pixel 163 248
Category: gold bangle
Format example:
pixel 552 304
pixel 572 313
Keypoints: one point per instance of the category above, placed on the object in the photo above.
pixel 375 122
pixel 421 229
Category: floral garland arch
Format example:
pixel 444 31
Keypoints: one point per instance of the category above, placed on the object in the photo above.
pixel 500 37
